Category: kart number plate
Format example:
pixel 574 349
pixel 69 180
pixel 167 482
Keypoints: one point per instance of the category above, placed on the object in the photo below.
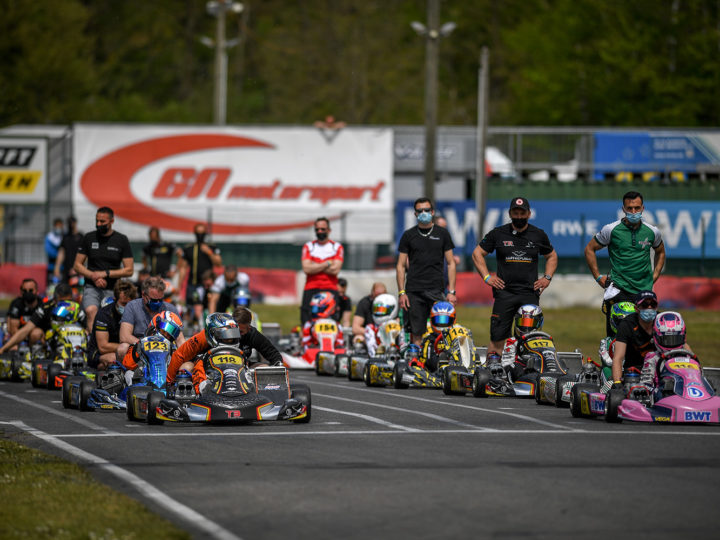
pixel 228 359
pixel 392 327
pixel 70 333
pixel 538 343
pixel 682 365
pixel 326 328
pixel 457 332
pixel 155 346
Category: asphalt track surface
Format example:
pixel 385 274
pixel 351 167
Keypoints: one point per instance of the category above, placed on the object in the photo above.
pixel 384 463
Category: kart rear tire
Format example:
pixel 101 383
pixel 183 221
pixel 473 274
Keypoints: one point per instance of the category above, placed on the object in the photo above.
pixel 480 378
pixel 66 393
pixel 86 387
pixel 536 392
pixel 15 365
pixel 130 405
pixel 559 383
pixel 612 402
pixel 153 400
pixel 302 392
pixel 397 377
pixel 366 375
pixel 447 381
pixel 34 377
pixel 575 408
pixel 53 370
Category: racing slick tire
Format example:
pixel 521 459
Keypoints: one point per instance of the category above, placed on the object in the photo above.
pixel 612 402
pixel 480 378
pixel 575 402
pixel 366 375
pixel 559 384
pixel 34 376
pixel 153 400
pixel 302 392
pixel 447 380
pixel 398 384
pixel 536 393
pixel 53 370
pixel 66 393
pixel 130 402
pixel 15 365
pixel 86 387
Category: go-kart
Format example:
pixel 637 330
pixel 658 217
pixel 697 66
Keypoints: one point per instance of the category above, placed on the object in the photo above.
pixel 109 391
pixel 455 357
pixel 66 357
pixel 16 366
pixel 537 357
pixel 296 357
pixel 387 351
pixel 683 396
pixel 233 393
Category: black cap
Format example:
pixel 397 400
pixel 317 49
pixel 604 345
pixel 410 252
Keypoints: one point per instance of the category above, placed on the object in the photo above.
pixel 520 202
pixel 645 295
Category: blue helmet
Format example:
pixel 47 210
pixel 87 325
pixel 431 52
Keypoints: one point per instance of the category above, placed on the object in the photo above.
pixel 442 316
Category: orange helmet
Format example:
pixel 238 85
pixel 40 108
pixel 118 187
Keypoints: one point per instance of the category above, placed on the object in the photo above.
pixel 322 305
pixel 167 324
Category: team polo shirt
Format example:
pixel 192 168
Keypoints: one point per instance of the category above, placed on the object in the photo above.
pixel 199 261
pixel 159 257
pixel 321 253
pixel 638 341
pixel 20 310
pixel 106 320
pixel 517 255
pixel 426 256
pixel 629 250
pixel 105 252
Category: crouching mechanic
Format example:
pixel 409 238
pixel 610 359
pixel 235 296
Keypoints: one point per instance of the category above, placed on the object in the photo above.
pixel 607 344
pixel 669 334
pixel 105 337
pixel 221 329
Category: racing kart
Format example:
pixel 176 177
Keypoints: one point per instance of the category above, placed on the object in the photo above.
pixel 16 366
pixel 109 391
pixel 388 335
pixel 537 357
pixel 233 394
pixel 684 395
pixel 458 355
pixel 67 357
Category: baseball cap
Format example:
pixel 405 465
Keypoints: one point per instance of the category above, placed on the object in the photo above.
pixel 642 296
pixel 520 202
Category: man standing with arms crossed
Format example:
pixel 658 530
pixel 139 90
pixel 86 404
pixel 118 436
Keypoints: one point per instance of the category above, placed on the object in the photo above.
pixel 321 260
pixel 419 271
pixel 518 246
pixel 628 241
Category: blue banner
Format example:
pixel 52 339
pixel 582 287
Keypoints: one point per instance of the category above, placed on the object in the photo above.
pixel 690 229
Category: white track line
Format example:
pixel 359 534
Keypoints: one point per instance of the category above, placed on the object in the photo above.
pixel 368 418
pixel 408 411
pixel 67 416
pixel 402 394
pixel 182 512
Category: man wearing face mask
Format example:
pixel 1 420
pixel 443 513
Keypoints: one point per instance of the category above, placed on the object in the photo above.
pixel 518 246
pixel 108 256
pixel 321 260
pixel 195 259
pixel 158 255
pixel 105 337
pixel 23 307
pixel 629 241
pixel 420 270
pixel 635 336
pixel 139 312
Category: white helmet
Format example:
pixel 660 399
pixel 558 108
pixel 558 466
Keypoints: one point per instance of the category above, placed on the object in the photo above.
pixel 384 308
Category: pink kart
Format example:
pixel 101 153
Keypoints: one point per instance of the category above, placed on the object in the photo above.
pixel 683 396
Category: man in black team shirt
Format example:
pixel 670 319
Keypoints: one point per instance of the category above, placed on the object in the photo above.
pixel 517 246
pixel 23 307
pixel 196 259
pixel 158 255
pixel 422 283
pixel 109 258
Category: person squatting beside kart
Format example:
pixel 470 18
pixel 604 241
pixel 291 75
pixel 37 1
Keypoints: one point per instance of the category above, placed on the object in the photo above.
pixel 220 329
pixel 606 351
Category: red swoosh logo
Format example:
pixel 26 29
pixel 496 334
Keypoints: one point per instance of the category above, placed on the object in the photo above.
pixel 107 181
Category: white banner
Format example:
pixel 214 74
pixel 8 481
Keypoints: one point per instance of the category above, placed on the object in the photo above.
pixel 253 184
pixel 23 170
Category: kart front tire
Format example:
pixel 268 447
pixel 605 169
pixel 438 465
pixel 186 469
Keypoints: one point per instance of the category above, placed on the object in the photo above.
pixel 612 402
pixel 153 400
pixel 302 392
pixel 575 401
pixel 480 379
pixel 559 384
pixel 397 381
pixel 86 387
pixel 66 393
pixel 130 405
pixel 53 370
pixel 15 365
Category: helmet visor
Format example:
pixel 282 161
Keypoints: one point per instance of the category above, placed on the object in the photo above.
pixel 526 322
pixel 169 328
pixel 441 321
pixel 672 340
pixel 381 310
pixel 227 336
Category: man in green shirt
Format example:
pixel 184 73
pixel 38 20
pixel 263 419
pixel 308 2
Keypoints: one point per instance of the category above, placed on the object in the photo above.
pixel 628 241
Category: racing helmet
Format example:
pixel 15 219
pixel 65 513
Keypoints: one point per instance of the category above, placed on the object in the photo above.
pixel 166 324
pixel 528 319
pixel 242 298
pixel 107 301
pixel 442 316
pixel 669 331
pixel 323 305
pixel 64 312
pixel 384 308
pixel 221 329
pixel 618 312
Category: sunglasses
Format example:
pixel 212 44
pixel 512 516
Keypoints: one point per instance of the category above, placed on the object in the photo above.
pixel 421 210
pixel 648 304
pixel 320 230
pixel 28 290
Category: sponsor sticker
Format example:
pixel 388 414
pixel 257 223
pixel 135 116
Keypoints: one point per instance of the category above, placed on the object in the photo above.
pixel 682 365
pixel 697 416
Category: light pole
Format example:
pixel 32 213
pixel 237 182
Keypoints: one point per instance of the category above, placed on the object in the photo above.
pixel 432 35
pixel 219 8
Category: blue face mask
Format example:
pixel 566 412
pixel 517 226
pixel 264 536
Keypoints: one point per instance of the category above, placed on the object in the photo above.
pixel 633 218
pixel 648 315
pixel 424 218
pixel 154 305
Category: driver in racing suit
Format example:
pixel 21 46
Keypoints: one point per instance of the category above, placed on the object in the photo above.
pixel 669 334
pixel 528 318
pixel 433 346
pixel 221 329
pixel 384 310
pixel 322 306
